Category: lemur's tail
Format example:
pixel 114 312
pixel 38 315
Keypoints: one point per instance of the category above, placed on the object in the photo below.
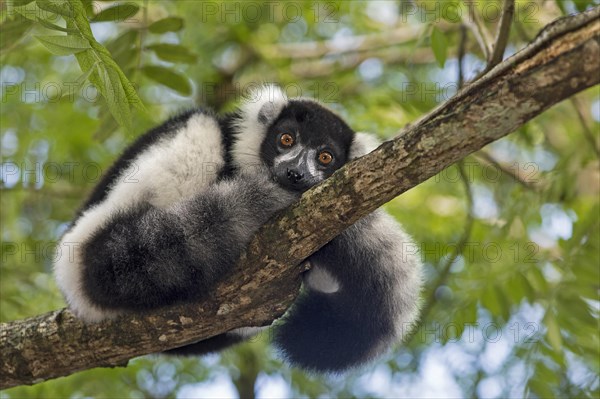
pixel 323 333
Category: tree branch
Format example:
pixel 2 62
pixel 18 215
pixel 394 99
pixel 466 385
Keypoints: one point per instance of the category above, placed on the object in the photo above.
pixel 314 68
pixel 587 132
pixel 444 271
pixel 473 21
pixel 563 60
pixel 503 33
pixel 351 44
pixel 486 158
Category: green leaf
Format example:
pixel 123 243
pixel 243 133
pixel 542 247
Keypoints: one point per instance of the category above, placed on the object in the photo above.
pixel 173 53
pixel 11 30
pixel 108 83
pixel 106 128
pixel 490 300
pixel 553 332
pixel 582 5
pixel 80 81
pixel 439 45
pixel 50 25
pixel 561 5
pixel 540 388
pixel 115 96
pixel 536 280
pixel 99 52
pixel 64 45
pixel 169 78
pixel 515 289
pixel 127 59
pixel 120 12
pixel 124 48
pixel 130 91
pixel 63 8
pixel 20 3
pixel 123 43
pixel 170 24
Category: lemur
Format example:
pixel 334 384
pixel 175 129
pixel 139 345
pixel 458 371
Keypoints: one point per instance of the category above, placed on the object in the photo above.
pixel 173 214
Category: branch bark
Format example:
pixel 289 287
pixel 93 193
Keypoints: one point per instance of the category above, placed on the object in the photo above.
pixel 563 60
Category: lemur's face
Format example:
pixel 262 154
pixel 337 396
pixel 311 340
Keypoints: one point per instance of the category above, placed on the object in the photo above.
pixel 305 145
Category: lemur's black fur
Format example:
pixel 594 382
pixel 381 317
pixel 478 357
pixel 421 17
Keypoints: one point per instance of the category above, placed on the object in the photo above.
pixel 174 213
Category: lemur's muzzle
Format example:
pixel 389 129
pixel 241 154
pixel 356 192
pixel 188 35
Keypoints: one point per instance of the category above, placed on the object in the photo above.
pixel 294 176
pixel 296 170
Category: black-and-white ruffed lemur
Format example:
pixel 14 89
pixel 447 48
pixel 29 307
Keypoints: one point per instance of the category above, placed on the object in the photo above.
pixel 176 210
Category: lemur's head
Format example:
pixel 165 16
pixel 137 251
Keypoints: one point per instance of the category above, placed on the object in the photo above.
pixel 299 141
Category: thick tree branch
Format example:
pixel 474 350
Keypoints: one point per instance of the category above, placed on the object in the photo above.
pixel 562 61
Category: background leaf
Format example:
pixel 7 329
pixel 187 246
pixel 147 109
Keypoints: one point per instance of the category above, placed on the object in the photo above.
pixel 63 8
pixel 120 12
pixel 172 52
pixel 169 24
pixel 12 30
pixel 169 78
pixel 439 45
pixel 50 25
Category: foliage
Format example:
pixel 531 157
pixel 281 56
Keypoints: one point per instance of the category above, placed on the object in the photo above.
pixel 513 311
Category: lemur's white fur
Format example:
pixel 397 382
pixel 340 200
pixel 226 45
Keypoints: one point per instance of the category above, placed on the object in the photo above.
pixel 363 144
pixel 248 332
pixel 266 102
pixel 321 280
pixel 289 155
pixel 404 281
pixel 168 171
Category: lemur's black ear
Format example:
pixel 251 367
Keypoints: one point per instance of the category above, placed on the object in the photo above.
pixel 362 144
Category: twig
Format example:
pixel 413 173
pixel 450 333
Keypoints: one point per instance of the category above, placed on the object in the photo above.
pixel 461 55
pixel 487 158
pixel 142 33
pixel 502 35
pixel 460 246
pixel 587 132
pixel 351 44
pixel 482 35
pixel 325 67
pixel 312 68
pixel 523 35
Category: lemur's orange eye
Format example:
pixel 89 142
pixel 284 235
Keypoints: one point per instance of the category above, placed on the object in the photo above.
pixel 286 140
pixel 325 157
